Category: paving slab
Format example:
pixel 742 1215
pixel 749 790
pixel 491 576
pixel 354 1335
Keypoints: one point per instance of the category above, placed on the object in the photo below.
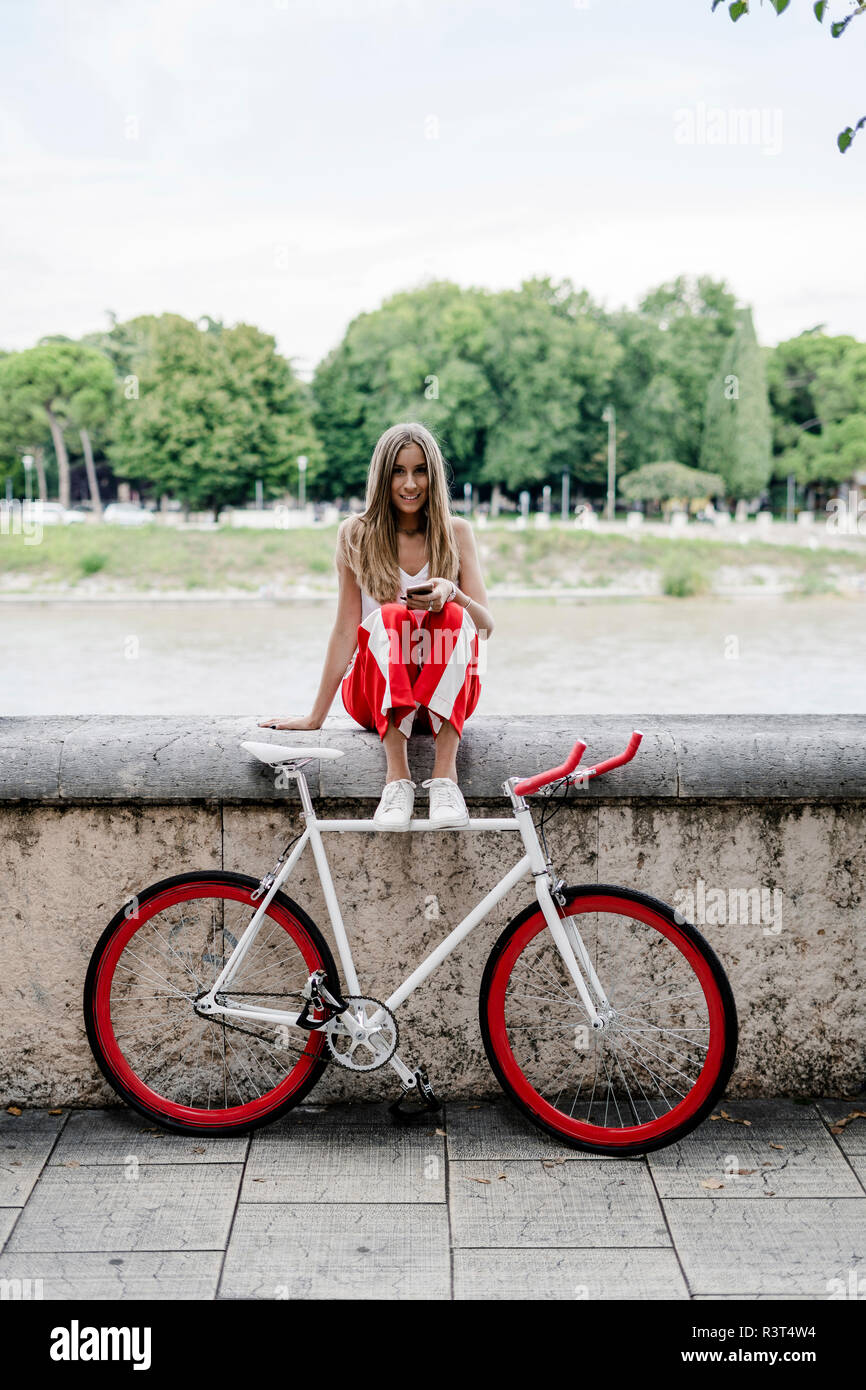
pixel 26 1142
pixel 567 1275
pixel 118 1135
pixel 165 1207
pixel 586 1202
pixel 339 1114
pixel 765 1245
pixel 338 1250
pixel 858 1163
pixel 852 1136
pixel 352 1163
pixel 785 1150
pixel 494 1129
pixel 8 1217
pixel 169 1275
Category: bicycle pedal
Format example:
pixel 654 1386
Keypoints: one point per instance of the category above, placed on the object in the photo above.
pixel 423 1095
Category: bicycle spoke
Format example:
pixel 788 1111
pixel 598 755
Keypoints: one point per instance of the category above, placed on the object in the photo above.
pixel 654 1044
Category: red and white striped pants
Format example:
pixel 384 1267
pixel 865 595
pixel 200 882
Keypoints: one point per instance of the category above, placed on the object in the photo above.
pixel 413 662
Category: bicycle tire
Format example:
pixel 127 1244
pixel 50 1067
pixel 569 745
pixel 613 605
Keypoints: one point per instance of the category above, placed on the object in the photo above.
pixel 607 900
pixel 109 949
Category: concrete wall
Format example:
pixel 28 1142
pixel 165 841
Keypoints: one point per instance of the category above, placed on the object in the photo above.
pixel 93 809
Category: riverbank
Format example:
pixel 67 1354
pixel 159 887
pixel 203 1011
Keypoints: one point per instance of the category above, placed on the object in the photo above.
pixel 156 562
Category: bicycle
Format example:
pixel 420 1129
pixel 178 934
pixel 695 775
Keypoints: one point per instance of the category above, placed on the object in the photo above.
pixel 213 1003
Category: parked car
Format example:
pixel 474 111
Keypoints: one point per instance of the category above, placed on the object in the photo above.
pixel 127 514
pixel 52 513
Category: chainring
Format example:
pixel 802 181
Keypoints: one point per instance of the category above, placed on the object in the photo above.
pixel 344 1048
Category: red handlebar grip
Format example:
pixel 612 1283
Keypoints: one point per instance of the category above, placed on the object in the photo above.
pixel 620 758
pixel 527 785
pixel 531 784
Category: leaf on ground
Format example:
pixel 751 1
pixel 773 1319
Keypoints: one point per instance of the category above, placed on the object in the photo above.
pixel 712 1184
pixel 199 1149
pixel 503 1177
pixel 484 1180
pixel 838 1127
pixel 551 1162
pixel 55 1112
pixel 731 1119
pixel 775 1146
pixel 442 1132
pixel 13 1110
pixel 72 1163
pixel 745 1172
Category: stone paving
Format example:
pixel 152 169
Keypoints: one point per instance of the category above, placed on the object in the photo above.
pixel 473 1203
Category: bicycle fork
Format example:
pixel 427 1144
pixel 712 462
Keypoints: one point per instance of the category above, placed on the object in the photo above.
pixel 565 934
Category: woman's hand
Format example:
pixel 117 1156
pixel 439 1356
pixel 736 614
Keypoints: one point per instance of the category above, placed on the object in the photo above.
pixel 302 721
pixel 435 601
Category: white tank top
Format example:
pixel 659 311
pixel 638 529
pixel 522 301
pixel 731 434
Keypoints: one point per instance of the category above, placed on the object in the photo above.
pixel 369 605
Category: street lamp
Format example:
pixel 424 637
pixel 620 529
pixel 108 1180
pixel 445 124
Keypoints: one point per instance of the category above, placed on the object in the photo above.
pixel 302 480
pixel 609 415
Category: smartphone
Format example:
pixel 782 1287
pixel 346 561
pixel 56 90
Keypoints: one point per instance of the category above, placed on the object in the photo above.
pixel 419 589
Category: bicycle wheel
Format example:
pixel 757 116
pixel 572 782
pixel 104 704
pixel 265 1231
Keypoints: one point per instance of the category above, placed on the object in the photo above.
pixel 191 1073
pixel 660 1065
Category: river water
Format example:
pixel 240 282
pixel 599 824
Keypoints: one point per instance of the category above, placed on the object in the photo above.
pixel 755 655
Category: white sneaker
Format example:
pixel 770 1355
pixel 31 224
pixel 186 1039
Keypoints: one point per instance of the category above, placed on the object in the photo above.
pixel 394 811
pixel 447 806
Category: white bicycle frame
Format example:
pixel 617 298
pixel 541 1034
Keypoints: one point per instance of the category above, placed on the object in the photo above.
pixel 563 930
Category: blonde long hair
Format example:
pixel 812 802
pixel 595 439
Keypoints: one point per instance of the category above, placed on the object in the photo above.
pixel 368 542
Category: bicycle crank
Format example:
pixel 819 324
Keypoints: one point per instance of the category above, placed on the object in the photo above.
pixel 364 1036
pixel 422 1096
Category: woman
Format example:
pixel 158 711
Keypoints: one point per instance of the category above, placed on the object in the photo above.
pixel 398 654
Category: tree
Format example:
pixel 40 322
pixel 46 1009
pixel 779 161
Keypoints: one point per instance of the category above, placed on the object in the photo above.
pixel 23 430
pixel 512 383
pixel 207 413
pixel 551 359
pixel 63 383
pixel 737 8
pixel 668 481
pixel 818 394
pixel 671 346
pixel 737 438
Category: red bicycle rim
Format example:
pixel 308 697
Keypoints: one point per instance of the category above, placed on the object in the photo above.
pixel 252 1110
pixel 609 1137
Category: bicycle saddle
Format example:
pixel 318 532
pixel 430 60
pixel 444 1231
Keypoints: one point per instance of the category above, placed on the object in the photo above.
pixel 274 753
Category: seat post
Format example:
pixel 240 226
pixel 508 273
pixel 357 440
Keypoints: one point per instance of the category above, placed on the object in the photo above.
pixel 304 791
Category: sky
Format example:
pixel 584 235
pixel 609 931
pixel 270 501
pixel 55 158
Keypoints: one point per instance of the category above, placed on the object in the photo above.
pixel 291 163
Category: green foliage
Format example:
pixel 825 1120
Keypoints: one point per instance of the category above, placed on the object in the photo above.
pixel 511 383
pixel 737 8
pixel 48 390
pixel 671 347
pixel 683 575
pixel 737 438
pixel 668 481
pixel 818 394
pixel 92 562
pixel 205 414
